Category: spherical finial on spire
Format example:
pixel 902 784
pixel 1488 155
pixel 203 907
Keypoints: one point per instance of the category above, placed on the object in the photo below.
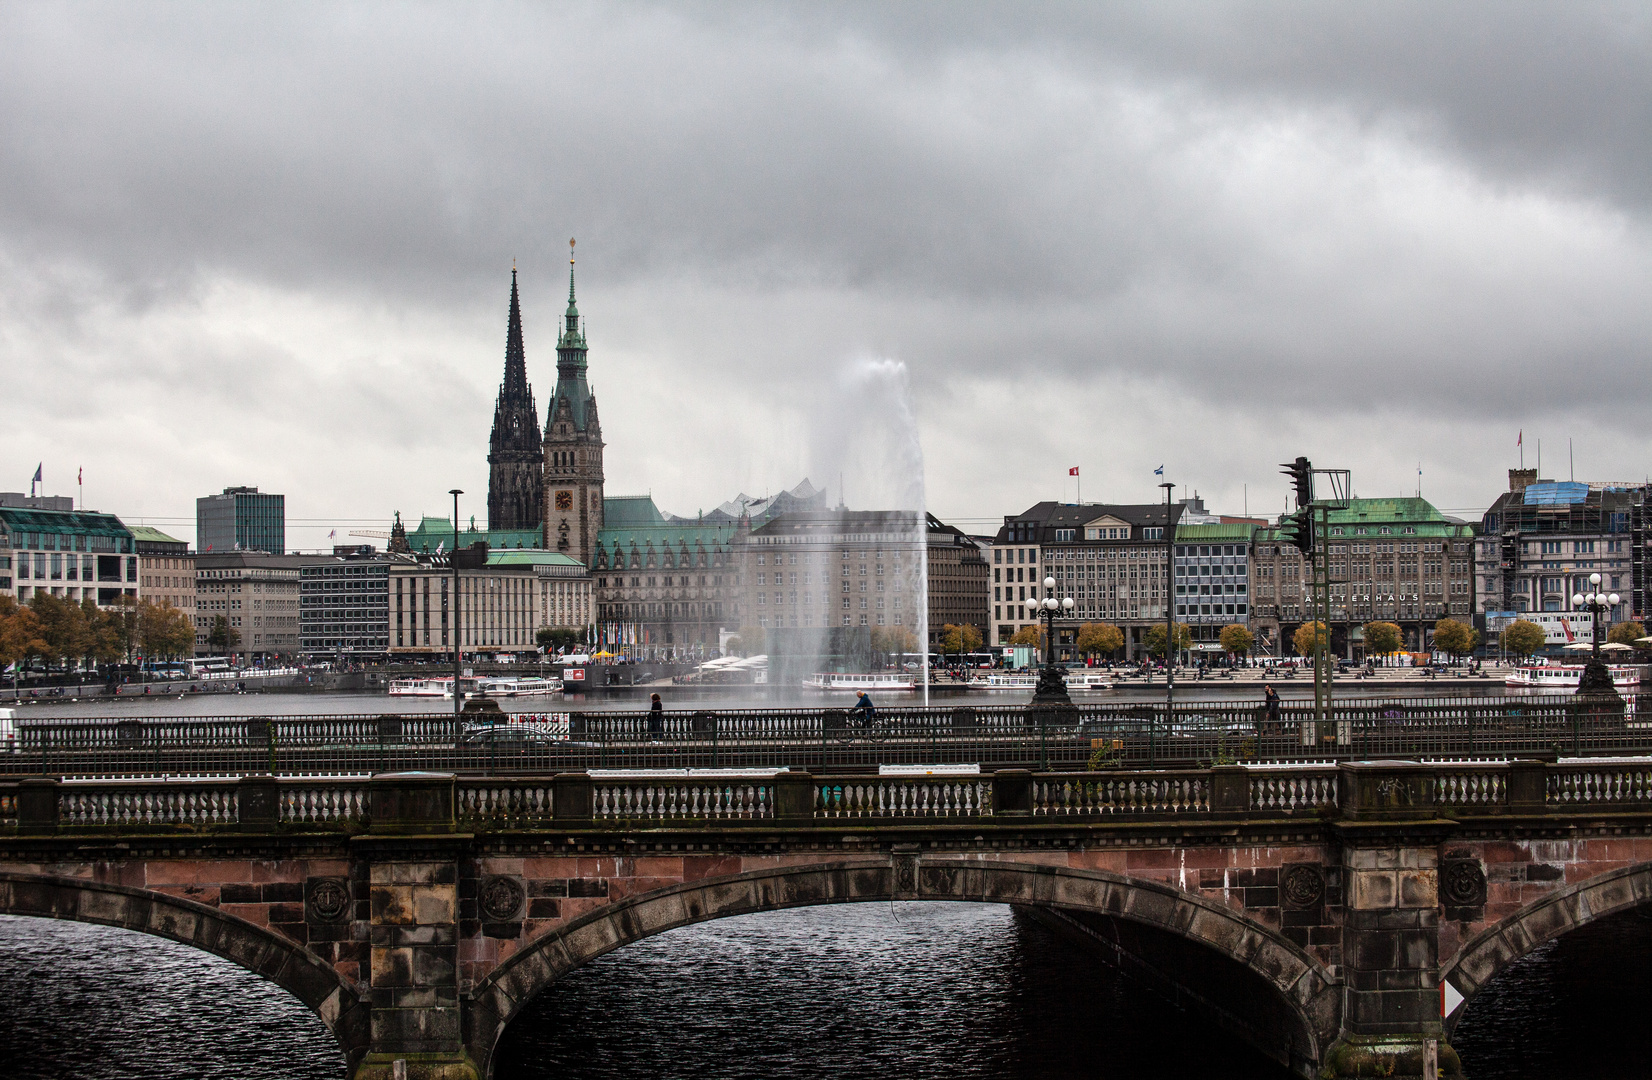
pixel 570 251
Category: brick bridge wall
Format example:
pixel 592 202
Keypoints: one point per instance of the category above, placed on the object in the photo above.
pixel 427 943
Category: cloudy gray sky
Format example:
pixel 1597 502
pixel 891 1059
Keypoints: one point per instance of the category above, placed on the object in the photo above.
pixel 271 244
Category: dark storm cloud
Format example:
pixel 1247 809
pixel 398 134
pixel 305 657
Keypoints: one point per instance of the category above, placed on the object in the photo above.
pixel 1261 209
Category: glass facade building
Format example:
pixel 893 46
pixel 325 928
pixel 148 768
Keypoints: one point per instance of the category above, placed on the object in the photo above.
pixel 241 519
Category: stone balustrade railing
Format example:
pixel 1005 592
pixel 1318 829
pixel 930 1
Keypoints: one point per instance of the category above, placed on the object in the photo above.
pixel 902 797
pixel 733 799
pixel 442 802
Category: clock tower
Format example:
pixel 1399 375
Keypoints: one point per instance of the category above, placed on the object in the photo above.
pixel 573 445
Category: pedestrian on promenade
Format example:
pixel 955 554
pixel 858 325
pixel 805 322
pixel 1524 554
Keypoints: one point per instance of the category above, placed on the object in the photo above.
pixel 656 717
pixel 1270 705
pixel 864 713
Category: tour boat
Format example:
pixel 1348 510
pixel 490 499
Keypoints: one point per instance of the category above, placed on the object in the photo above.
pixel 1028 680
pixel 1566 677
pixel 515 686
pixel 438 686
pixel 861 680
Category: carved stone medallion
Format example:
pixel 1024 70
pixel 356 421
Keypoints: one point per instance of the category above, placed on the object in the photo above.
pixel 1462 883
pixel 1302 885
pixel 329 900
pixel 500 899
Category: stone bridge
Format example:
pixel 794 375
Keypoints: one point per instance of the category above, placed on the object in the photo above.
pixel 1338 917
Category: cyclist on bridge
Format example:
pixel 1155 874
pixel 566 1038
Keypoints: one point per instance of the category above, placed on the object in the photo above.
pixel 863 711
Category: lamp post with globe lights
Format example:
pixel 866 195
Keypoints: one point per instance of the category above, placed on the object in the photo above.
pixel 1596 678
pixel 1052 682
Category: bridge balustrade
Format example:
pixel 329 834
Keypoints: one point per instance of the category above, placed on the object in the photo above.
pixel 1110 734
pixel 1462 789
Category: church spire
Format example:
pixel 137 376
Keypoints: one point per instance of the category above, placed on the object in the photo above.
pixel 516 362
pixel 515 452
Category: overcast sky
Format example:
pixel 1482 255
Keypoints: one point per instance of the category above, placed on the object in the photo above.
pixel 271 245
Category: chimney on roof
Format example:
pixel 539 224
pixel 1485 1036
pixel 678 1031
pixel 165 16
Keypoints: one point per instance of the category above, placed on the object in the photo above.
pixel 1519 478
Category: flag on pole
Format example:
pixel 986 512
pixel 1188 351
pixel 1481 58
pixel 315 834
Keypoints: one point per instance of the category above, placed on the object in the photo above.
pixel 1073 471
pixel 37 473
pixel 80 475
pixel 1520 440
pixel 1159 471
pixel 333 535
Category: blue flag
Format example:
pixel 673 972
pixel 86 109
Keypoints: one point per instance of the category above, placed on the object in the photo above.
pixel 37 478
pixel 1159 471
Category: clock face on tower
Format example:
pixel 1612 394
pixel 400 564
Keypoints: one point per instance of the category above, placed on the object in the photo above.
pixel 564 500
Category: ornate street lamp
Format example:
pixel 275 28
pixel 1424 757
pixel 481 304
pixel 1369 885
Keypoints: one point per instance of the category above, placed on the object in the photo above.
pixel 1596 678
pixel 1052 681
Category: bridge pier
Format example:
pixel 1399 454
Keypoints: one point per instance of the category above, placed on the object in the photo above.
pixel 413 891
pixel 1391 1022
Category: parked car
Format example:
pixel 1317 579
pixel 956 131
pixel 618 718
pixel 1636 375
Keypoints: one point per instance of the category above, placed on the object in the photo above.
pixel 515 736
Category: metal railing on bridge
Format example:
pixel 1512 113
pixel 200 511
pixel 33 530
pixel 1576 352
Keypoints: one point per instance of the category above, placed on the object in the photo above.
pixel 1107 735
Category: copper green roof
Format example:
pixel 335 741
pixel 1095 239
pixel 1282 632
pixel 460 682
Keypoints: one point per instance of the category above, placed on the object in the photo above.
pixel 1397 515
pixel 633 525
pixel 148 534
pixel 1221 532
pixel 510 557
pixel 439 530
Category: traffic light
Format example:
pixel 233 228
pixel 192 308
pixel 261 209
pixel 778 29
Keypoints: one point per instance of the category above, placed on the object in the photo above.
pixel 1298 530
pixel 1301 472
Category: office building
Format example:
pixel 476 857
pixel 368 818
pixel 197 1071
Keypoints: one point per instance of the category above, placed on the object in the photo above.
pixel 241 519
pixel 76 555
pixel 166 569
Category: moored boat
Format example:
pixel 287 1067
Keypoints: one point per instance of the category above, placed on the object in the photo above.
pixel 862 680
pixel 513 686
pixel 1028 680
pixel 1566 677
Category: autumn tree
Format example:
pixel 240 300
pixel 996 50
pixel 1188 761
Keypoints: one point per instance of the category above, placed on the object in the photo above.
pixel 1154 639
pixel 169 633
pixel 20 634
pixel 1031 634
pixel 1236 639
pixel 64 627
pixel 1458 639
pixel 958 639
pixel 1309 635
pixel 1381 638
pixel 1096 638
pixel 1628 633
pixel 1522 638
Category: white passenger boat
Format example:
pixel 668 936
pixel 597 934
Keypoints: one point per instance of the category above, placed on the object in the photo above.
pixel 861 680
pixel 437 686
pixel 514 686
pixel 1563 678
pixel 1028 680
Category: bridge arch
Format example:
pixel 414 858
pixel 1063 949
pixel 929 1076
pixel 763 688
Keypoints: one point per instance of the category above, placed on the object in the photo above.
pixel 1484 956
pixel 252 947
pixel 1300 981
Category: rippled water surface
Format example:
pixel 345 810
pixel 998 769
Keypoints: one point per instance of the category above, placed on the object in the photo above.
pixel 910 990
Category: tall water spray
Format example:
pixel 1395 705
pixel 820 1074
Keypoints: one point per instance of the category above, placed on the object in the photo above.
pixel 865 444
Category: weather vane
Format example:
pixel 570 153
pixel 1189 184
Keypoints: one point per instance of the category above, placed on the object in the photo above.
pixel 570 251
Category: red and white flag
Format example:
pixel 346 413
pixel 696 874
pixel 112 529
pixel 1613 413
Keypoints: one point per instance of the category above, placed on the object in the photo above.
pixel 1073 471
